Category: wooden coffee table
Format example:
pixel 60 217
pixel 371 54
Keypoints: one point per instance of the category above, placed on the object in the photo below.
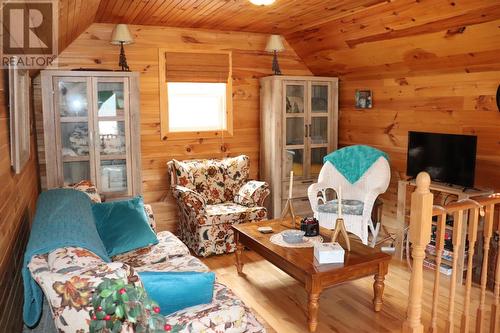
pixel 299 263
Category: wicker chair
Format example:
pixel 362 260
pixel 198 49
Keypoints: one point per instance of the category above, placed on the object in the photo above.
pixel 357 198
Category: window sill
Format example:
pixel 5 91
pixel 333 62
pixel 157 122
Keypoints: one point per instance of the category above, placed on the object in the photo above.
pixel 169 136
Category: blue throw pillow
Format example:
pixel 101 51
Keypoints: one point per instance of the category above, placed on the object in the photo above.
pixel 123 225
pixel 175 291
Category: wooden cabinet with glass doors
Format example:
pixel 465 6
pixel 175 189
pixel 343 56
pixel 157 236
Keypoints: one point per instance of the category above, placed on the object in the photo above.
pixel 91 130
pixel 299 121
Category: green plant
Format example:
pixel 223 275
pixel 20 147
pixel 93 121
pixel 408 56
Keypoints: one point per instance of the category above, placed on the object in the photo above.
pixel 116 304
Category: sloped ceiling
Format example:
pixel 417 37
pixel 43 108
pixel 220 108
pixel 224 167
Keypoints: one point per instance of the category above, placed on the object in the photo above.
pixel 333 37
pixel 74 17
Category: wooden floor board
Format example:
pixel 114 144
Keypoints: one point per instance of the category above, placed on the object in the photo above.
pixel 281 301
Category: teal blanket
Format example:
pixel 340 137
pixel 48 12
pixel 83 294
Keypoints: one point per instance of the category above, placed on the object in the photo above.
pixel 63 218
pixel 353 161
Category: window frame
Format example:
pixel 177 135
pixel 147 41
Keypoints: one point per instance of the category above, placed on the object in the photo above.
pixel 165 134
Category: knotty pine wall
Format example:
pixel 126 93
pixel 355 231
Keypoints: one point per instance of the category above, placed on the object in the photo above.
pixel 93 50
pixel 18 194
pixel 431 65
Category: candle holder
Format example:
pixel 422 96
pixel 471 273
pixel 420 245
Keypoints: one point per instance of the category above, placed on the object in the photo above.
pixel 288 210
pixel 340 229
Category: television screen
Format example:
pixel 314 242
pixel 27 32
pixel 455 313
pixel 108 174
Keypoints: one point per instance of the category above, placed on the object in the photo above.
pixel 448 158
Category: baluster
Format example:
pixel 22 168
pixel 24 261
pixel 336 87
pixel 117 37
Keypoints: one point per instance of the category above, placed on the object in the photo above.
pixel 420 234
pixel 441 228
pixel 457 243
pixel 495 307
pixel 488 230
pixel 472 236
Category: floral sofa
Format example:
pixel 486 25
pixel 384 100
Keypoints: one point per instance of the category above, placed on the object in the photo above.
pixel 212 195
pixel 68 277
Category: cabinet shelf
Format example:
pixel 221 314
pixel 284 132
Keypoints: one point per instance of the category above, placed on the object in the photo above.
pixel 75 158
pixel 113 157
pixel 73 119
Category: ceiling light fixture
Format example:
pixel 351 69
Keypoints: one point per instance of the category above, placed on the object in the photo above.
pixel 262 2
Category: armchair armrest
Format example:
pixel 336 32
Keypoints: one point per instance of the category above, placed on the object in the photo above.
pixel 252 193
pixel 190 199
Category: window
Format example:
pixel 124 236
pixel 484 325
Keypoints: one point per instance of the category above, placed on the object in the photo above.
pixel 196 106
pixel 195 94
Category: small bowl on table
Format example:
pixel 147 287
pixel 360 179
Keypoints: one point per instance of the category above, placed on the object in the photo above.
pixel 293 236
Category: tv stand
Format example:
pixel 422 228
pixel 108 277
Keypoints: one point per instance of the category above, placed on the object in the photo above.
pixel 402 218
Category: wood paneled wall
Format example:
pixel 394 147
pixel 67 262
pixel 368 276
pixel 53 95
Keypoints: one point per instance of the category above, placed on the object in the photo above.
pixel 431 65
pixel 18 194
pixel 93 50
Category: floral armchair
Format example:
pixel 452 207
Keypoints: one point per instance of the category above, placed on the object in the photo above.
pixel 212 195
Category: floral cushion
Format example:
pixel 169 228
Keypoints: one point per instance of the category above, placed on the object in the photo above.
pixel 176 264
pixel 252 193
pixel 168 246
pixel 205 177
pixel 349 207
pixel 237 171
pixel 88 188
pixel 211 233
pixel 230 212
pixel 151 216
pixel 64 259
pixel 227 313
pixel 69 290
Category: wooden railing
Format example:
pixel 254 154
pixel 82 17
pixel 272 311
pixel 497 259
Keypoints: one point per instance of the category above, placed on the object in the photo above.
pixel 467 215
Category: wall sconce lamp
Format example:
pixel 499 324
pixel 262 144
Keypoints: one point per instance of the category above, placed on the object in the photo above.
pixel 275 45
pixel 121 36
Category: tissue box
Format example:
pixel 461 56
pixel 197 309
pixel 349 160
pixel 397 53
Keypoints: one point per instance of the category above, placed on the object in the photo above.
pixel 328 253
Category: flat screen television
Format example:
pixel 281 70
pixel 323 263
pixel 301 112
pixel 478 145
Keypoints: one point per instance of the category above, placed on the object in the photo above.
pixel 448 158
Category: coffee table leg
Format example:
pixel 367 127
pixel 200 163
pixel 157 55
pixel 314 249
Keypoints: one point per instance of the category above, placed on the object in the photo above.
pixel 313 311
pixel 378 287
pixel 238 254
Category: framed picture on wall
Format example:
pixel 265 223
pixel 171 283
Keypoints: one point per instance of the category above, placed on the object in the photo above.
pixel 19 110
pixel 363 99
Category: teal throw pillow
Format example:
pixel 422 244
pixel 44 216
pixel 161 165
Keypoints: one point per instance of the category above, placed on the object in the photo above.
pixel 123 225
pixel 174 291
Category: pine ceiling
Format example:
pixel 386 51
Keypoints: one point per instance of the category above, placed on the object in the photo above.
pixel 324 33
pixel 283 17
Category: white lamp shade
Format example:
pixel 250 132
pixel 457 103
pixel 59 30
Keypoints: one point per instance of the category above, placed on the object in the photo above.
pixel 275 43
pixel 121 34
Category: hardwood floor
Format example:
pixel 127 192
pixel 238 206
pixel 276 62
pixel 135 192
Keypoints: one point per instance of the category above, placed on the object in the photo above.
pixel 281 301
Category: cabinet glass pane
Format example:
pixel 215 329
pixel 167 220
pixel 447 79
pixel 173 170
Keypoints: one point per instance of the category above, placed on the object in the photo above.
pixel 294 160
pixel 75 139
pixel 317 155
pixel 113 176
pixel 295 131
pixel 73 99
pixel 112 137
pixel 319 130
pixel 110 101
pixel 75 172
pixel 295 99
pixel 319 98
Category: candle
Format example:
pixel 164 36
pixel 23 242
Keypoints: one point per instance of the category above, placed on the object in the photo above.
pixel 339 197
pixel 291 185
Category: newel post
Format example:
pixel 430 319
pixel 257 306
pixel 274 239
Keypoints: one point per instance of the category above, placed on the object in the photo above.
pixel 420 234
